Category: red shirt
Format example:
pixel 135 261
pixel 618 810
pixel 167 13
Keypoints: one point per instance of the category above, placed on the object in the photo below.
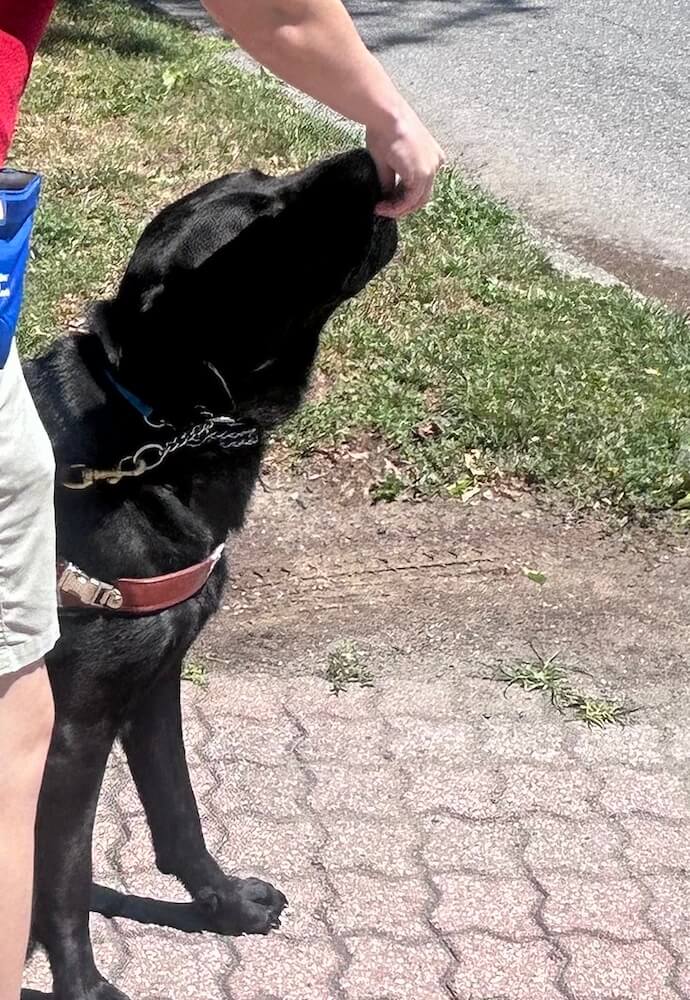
pixel 22 23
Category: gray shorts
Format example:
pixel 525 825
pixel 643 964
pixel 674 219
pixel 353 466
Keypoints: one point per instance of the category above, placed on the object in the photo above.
pixel 28 603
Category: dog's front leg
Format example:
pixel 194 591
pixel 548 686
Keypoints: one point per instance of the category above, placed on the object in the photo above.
pixel 67 808
pixel 154 745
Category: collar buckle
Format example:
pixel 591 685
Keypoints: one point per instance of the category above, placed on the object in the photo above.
pixel 87 590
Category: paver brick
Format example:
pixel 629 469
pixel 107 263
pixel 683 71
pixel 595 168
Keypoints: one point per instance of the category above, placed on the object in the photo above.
pixel 605 970
pixel 387 848
pixel 308 898
pixel 37 974
pixel 681 945
pixel 605 906
pixel 421 698
pixel 110 947
pixel 491 968
pixel 164 962
pixel 401 839
pixel 446 741
pixel 669 910
pixel 125 799
pixel 386 970
pixel 118 786
pixel 637 746
pixel 367 792
pixel 278 792
pixel 360 742
pixel 454 845
pixel 591 847
pixel 528 789
pixel 282 848
pixel 310 696
pixel 472 792
pixel 655 845
pixel 677 744
pixel 371 903
pixel 475 902
pixel 488 698
pixel 248 696
pixel 260 742
pixel 109 836
pixel 195 727
pixel 515 741
pixel 627 790
pixel 274 967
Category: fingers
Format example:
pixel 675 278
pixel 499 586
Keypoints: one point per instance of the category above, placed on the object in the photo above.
pixel 402 202
pixel 407 161
pixel 406 199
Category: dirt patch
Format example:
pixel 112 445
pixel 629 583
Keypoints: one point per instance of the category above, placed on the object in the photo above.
pixel 440 586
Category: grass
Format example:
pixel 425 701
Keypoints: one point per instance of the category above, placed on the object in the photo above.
pixel 346 667
pixel 469 345
pixel 195 671
pixel 548 677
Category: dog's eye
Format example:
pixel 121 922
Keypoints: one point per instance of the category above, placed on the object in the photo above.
pixel 261 367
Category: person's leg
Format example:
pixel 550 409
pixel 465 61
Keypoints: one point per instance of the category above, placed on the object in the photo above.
pixel 26 723
pixel 28 631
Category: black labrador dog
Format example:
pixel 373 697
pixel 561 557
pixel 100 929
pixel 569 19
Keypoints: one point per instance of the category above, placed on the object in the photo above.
pixel 214 328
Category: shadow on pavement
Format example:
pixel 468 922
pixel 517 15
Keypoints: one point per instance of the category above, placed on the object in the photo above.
pixel 420 21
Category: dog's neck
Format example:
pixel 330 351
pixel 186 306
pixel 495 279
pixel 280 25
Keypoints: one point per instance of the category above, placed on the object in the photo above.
pixel 163 521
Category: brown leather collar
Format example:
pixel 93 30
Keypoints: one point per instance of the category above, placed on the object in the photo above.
pixel 77 589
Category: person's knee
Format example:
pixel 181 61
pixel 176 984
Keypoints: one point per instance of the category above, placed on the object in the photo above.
pixel 39 728
pixel 27 717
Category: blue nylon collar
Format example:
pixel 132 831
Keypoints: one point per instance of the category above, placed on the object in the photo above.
pixel 139 405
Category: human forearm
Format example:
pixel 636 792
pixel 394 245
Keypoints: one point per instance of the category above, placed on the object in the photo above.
pixel 313 45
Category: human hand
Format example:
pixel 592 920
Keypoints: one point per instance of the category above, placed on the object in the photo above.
pixel 407 158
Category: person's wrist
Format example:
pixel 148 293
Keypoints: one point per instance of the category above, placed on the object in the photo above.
pixel 391 121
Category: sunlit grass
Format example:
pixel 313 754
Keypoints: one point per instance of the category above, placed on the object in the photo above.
pixel 554 380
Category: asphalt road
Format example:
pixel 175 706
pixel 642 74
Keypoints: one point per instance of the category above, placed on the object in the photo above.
pixel 577 113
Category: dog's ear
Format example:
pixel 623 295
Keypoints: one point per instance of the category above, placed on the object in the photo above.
pixel 102 322
pixel 242 260
pixel 180 292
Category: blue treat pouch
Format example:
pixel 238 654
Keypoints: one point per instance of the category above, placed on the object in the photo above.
pixel 19 191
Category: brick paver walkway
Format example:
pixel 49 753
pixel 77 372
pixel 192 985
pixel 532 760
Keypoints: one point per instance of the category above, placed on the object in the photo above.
pixel 436 837
pixel 426 853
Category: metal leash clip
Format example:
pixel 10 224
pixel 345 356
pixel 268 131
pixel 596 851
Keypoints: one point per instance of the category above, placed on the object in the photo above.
pixel 80 477
pixel 223 431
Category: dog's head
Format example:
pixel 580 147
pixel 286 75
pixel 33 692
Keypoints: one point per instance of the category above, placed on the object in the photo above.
pixel 242 275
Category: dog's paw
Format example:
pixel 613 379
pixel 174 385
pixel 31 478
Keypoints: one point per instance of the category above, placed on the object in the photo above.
pixel 241 906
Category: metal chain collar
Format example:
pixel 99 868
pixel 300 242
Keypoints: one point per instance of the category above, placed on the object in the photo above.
pixel 223 431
